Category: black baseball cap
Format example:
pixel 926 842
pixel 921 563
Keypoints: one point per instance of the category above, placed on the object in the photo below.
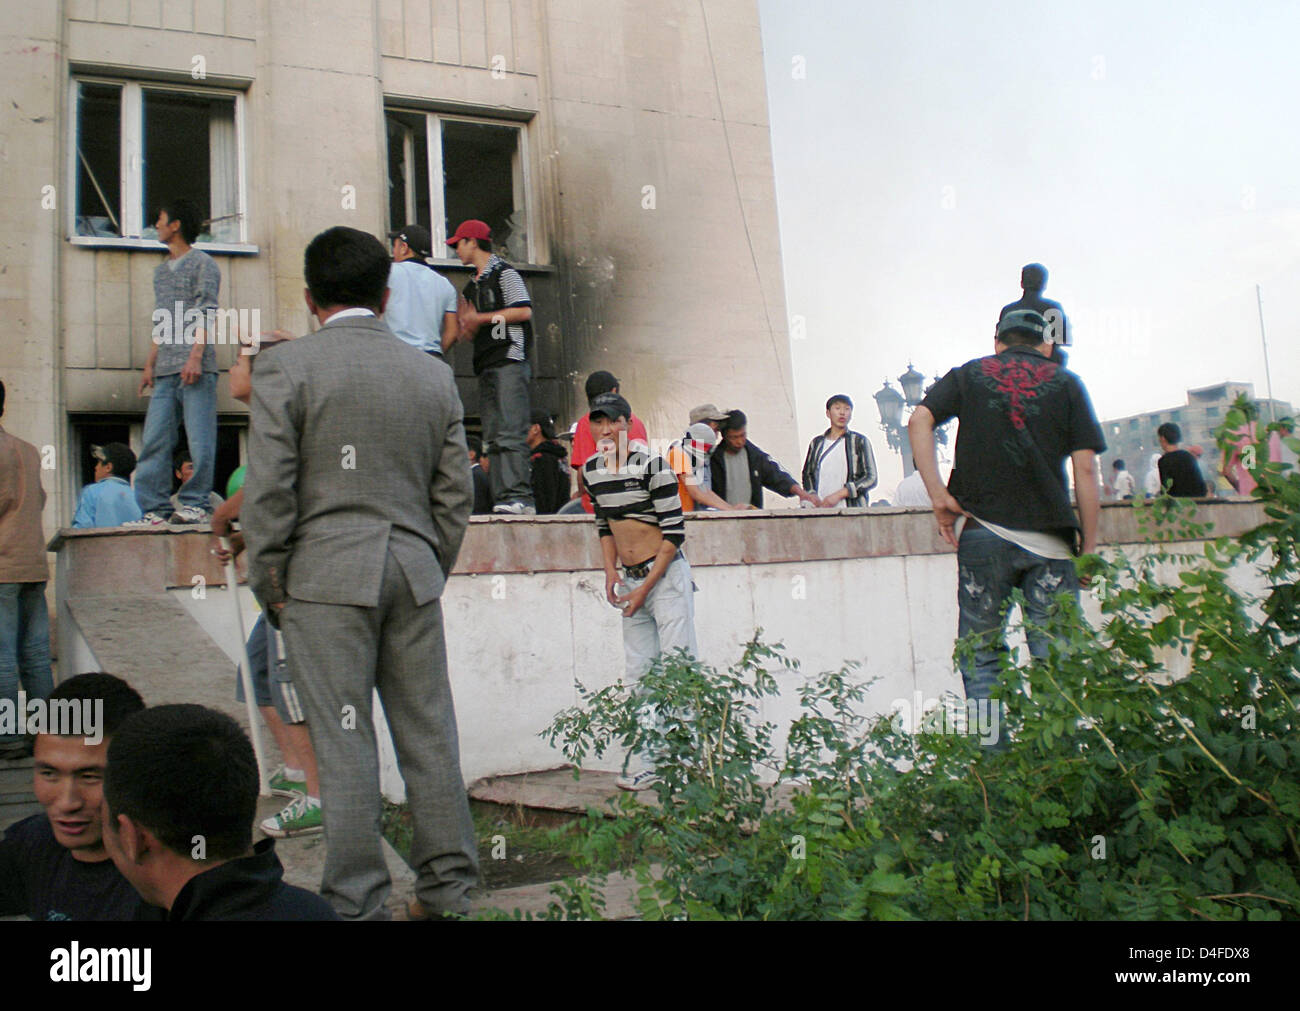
pixel 611 406
pixel 415 236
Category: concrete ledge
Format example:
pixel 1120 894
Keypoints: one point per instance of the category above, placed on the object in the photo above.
pixel 115 560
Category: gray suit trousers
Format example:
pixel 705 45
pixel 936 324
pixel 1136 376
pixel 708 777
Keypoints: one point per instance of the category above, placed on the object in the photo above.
pixel 337 655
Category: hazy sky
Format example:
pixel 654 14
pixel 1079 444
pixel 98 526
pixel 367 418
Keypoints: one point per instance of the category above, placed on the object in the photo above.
pixel 1145 152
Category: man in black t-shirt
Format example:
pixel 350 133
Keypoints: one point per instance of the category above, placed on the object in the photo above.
pixel 1007 506
pixel 1033 279
pixel 1180 475
pixel 53 866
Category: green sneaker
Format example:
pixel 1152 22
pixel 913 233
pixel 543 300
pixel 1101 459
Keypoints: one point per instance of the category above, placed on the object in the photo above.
pixel 282 786
pixel 300 817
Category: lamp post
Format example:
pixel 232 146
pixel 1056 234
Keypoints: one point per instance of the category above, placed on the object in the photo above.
pixel 892 422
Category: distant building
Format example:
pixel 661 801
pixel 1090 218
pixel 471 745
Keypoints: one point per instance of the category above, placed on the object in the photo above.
pixel 1133 439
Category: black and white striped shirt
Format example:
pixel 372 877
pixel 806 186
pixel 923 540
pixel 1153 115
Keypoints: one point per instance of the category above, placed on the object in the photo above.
pixel 645 490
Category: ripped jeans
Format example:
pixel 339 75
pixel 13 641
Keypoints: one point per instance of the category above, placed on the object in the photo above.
pixel 988 570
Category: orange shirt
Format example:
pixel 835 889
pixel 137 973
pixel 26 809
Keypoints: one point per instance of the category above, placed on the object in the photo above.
pixel 681 465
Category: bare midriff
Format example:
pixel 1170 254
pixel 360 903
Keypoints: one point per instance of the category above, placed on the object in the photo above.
pixel 635 541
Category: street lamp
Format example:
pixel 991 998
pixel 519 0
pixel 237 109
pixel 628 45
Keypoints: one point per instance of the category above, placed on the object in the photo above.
pixel 892 423
pixel 890 403
pixel 911 381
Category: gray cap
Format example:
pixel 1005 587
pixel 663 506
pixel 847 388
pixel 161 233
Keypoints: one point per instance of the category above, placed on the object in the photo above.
pixel 707 412
pixel 1023 319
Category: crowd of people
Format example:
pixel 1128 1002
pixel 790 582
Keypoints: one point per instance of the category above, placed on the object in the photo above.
pixel 359 486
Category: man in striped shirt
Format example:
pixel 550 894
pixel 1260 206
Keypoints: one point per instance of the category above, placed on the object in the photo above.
pixel 639 521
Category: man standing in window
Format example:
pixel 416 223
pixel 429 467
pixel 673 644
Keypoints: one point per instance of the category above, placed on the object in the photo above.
pixel 421 303
pixel 182 370
pixel 495 309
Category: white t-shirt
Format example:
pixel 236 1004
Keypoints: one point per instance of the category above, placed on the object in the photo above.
pixel 834 471
pixel 1036 542
pixel 911 492
pixel 1124 484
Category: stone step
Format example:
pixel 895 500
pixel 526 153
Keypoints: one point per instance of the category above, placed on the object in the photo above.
pixel 553 790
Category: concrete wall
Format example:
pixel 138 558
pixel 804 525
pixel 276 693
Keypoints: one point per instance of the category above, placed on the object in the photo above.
pixel 525 612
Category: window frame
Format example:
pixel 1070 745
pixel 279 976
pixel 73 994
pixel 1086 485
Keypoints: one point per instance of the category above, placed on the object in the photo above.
pixel 131 142
pixel 433 121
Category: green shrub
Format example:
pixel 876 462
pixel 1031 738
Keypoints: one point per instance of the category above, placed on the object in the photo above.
pixel 1123 793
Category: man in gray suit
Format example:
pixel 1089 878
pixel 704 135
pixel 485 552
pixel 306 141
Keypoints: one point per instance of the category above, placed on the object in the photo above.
pixel 357 497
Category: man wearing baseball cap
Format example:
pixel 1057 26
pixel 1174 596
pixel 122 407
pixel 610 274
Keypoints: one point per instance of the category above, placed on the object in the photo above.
pixel 584 445
pixel 708 414
pixel 639 523
pixel 496 310
pixel 1006 508
pixel 421 307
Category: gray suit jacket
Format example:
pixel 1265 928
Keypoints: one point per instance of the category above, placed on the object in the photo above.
pixel 356 446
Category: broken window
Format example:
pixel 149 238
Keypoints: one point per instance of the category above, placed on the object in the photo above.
pixel 480 168
pixel 137 146
pixel 99 160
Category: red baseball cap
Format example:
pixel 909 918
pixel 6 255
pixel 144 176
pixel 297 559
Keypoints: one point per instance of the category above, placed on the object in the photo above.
pixel 471 229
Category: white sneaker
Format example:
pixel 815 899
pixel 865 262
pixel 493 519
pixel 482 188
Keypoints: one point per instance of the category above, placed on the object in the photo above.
pixel 149 521
pixel 517 508
pixel 641 781
pixel 189 516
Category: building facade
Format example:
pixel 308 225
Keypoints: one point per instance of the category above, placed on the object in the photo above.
pixel 1133 439
pixel 619 149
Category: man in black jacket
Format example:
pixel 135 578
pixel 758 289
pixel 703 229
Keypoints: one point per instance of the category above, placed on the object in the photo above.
pixel 180 794
pixel 547 458
pixel 741 470
pixel 840 467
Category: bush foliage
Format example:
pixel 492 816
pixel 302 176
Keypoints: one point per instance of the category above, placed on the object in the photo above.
pixel 1152 771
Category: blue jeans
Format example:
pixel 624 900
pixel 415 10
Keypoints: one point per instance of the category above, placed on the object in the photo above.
pixel 24 644
pixel 170 404
pixel 988 570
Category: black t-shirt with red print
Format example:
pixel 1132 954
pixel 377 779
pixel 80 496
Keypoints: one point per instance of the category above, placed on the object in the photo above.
pixel 998 400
